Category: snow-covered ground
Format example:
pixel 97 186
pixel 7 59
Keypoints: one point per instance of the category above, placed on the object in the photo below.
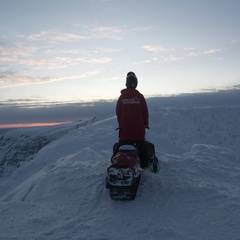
pixel 59 192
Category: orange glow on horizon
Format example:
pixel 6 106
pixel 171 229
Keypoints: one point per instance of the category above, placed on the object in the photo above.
pixel 23 125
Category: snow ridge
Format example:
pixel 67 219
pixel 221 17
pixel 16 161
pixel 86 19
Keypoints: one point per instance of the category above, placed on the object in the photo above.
pixel 20 145
pixel 60 193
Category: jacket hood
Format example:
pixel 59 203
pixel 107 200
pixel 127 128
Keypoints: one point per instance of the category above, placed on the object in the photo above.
pixel 129 90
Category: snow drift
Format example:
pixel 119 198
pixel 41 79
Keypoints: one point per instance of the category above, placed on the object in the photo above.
pixel 59 192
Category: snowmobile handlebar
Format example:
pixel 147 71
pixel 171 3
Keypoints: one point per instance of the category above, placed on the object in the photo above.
pixel 146 127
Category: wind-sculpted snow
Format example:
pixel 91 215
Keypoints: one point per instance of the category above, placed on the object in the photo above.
pixel 178 129
pixel 60 193
pixel 20 145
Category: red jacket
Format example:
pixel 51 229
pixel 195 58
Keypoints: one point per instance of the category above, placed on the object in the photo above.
pixel 132 115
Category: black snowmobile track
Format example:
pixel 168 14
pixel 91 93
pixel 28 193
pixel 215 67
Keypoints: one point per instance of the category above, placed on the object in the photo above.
pixel 123 193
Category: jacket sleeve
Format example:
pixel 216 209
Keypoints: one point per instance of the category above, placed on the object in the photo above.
pixel 145 111
pixel 118 109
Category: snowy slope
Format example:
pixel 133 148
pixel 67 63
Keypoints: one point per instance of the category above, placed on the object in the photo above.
pixel 60 193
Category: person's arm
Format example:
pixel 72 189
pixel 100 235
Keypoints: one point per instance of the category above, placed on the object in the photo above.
pixel 118 110
pixel 145 111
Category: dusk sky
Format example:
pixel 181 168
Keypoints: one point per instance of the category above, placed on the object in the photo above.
pixel 75 51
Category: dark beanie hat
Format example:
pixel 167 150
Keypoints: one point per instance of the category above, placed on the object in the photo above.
pixel 131 80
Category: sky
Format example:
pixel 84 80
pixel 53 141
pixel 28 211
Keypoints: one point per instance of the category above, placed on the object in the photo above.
pixel 69 52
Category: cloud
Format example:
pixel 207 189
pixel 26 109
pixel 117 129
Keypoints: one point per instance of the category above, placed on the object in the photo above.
pixel 55 62
pixel 20 56
pixel 212 51
pixel 210 97
pixel 10 79
pixel 19 60
pixel 144 28
pixel 55 35
pixel 18 49
pixel 193 54
pixel 235 41
pixel 62 62
pixel 89 32
pixel 12 112
pixel 65 112
pixel 163 58
pixel 171 58
pixel 189 49
pixel 106 32
pixel 23 102
pixel 147 61
pixel 99 60
pixel 155 49
pixel 72 52
pixel 163 55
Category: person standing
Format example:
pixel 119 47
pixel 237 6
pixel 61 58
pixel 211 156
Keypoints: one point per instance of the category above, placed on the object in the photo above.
pixel 132 115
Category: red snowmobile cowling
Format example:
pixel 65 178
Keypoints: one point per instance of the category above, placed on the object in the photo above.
pixel 127 158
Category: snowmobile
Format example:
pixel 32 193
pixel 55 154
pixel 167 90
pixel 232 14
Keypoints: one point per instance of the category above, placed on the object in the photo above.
pixel 124 173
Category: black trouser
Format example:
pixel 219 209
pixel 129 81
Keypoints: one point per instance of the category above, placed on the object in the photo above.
pixel 143 154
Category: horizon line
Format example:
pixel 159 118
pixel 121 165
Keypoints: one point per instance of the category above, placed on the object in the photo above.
pixel 27 125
